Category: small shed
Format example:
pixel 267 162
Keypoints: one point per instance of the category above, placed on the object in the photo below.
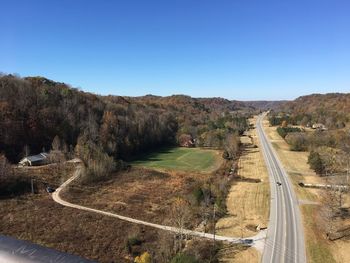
pixel 34 160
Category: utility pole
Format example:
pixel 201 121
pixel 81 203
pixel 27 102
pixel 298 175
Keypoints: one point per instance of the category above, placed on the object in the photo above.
pixel 214 224
pixel 347 173
pixel 32 185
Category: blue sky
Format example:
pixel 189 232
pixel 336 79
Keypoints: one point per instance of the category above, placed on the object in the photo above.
pixel 236 49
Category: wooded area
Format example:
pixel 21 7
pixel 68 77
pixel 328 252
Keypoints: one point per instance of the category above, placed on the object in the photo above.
pixel 329 141
pixel 104 129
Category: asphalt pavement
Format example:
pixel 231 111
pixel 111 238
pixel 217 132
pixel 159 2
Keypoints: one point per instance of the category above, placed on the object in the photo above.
pixel 285 233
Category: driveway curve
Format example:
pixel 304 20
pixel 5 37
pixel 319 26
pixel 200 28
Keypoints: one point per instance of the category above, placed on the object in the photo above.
pixel 57 198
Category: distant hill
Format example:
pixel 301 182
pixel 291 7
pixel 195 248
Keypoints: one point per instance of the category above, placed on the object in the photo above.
pixel 265 104
pixel 331 102
pixel 178 101
pixel 332 109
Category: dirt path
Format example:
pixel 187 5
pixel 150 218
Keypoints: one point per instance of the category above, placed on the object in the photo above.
pixel 56 197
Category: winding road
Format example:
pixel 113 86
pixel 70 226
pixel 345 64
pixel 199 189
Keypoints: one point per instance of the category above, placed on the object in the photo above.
pixel 285 233
pixel 57 198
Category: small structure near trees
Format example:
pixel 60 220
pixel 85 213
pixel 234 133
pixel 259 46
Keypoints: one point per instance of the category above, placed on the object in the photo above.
pixel 186 140
pixel 319 126
pixel 34 160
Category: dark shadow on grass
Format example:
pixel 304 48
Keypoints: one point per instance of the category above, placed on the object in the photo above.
pixel 149 159
pixel 13 187
pixel 152 155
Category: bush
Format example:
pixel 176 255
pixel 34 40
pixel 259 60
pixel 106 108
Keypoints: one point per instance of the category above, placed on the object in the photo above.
pixel 204 251
pixel 276 120
pixel 283 131
pixel 297 141
pixel 198 195
pixel 316 163
pixel 144 258
pixel 226 155
pixel 134 241
pixel 220 202
pixel 131 243
pixel 10 183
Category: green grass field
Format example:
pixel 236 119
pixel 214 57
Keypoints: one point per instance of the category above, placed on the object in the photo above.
pixel 185 159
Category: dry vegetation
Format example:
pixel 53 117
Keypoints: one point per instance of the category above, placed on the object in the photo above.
pixel 319 249
pixel 248 199
pixel 38 219
pixel 138 192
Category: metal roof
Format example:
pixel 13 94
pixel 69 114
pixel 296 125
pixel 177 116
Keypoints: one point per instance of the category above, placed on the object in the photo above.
pixel 36 158
pixel 14 250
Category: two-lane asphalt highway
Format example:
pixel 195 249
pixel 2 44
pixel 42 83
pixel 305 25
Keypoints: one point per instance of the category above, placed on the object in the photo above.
pixel 285 233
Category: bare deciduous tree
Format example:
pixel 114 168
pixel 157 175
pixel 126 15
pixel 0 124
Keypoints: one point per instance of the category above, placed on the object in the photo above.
pixel 180 215
pixel 232 145
pixel 56 144
pixel 5 167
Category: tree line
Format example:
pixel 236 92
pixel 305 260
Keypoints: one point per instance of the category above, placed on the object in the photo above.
pixel 103 129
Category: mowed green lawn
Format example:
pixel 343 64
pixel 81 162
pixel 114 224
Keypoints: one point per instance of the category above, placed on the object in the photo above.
pixel 179 158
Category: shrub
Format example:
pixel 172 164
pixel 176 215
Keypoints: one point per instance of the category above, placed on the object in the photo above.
pixel 144 258
pixel 131 243
pixel 315 162
pixel 297 141
pixel 225 155
pixel 203 250
pixel 283 131
pixel 277 120
pixel 198 195
pixel 134 241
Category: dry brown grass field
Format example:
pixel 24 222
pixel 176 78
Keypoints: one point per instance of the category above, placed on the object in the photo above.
pixel 319 249
pixel 248 200
pixel 38 219
pixel 140 193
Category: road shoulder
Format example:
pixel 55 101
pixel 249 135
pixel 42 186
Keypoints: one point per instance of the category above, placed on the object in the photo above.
pixel 318 248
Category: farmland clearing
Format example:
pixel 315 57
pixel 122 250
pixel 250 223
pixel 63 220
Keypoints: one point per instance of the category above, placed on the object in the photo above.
pixel 182 159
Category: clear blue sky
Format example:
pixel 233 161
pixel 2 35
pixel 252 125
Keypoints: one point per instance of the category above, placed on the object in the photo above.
pixel 237 49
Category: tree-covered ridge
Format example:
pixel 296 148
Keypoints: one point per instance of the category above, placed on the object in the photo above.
pixel 332 110
pixel 34 110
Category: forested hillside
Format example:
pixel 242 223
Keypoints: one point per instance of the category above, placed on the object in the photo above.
pixel 328 135
pixel 332 110
pixel 35 110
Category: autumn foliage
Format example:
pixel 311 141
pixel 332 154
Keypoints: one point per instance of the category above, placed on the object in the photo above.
pixel 39 114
